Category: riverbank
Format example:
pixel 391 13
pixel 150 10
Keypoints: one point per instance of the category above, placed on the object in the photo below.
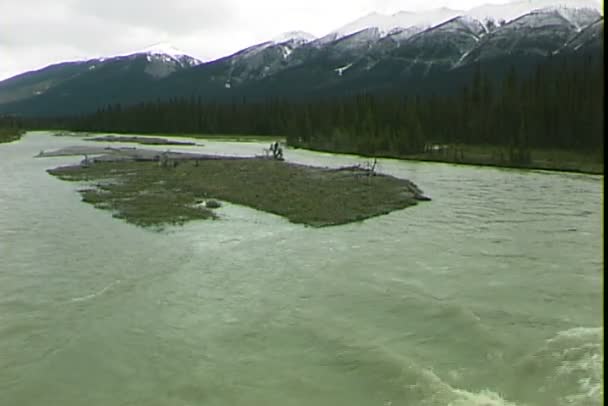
pixel 541 159
pixel 479 155
pixel 10 134
pixel 149 191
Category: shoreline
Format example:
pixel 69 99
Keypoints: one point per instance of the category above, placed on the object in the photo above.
pixel 474 155
pixel 586 168
pixel 589 169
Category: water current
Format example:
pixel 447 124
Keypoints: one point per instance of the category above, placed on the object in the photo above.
pixel 489 295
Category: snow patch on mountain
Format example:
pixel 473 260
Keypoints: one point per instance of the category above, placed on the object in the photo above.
pixel 286 42
pixel 300 37
pixel 513 10
pixel 340 70
pixel 401 20
pixel 286 51
pixel 580 18
pixel 579 12
pixel 161 48
pixel 163 52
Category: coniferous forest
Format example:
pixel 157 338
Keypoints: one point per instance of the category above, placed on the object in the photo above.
pixel 11 129
pixel 560 105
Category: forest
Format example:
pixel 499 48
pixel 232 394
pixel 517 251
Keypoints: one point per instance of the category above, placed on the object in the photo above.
pixel 11 129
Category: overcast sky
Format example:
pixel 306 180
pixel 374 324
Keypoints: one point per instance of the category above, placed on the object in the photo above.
pixel 36 33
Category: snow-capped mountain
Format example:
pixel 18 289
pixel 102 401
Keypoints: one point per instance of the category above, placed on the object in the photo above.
pixel 262 60
pixel 539 33
pixel 576 11
pixel 299 37
pixel 162 48
pixel 162 59
pixel 510 11
pixel 118 77
pixel 167 53
pixel 587 40
pixel 431 51
pixel 386 24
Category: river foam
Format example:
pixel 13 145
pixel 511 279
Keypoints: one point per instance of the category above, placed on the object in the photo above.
pixel 95 294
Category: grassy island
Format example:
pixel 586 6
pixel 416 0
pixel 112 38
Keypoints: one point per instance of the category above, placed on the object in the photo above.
pixel 146 193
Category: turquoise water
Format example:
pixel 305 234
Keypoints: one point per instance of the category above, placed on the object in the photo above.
pixel 490 294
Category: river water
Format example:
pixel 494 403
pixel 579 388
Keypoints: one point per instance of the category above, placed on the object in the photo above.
pixel 491 294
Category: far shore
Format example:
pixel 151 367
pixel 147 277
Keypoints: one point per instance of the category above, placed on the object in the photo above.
pixel 476 155
pixel 10 134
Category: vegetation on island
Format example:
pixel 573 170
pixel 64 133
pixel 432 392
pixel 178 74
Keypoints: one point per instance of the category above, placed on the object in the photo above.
pixel 148 193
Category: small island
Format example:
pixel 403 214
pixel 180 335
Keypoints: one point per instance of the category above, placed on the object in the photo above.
pixel 152 188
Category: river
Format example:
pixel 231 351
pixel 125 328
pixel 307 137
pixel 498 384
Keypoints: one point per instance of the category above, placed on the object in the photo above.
pixel 491 294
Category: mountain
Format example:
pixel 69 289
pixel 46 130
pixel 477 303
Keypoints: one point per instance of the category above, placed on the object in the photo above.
pixel 218 79
pixel 389 23
pixel 35 83
pixel 406 53
pixel 539 33
pixel 588 41
pixel 436 59
pixel 512 10
pixel 300 37
pixel 59 87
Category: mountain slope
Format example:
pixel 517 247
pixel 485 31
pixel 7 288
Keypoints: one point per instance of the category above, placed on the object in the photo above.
pixel 30 84
pixel 588 40
pixel 86 85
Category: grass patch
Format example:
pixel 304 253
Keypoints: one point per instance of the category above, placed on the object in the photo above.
pixel 146 194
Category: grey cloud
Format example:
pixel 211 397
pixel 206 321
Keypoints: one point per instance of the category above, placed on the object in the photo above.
pixel 51 31
pixel 35 33
pixel 177 16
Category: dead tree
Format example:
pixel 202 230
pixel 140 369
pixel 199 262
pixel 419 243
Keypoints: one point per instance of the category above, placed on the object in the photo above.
pixel 277 151
pixel 164 160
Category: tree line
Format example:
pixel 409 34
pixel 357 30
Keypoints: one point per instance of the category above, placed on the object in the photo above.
pixel 11 128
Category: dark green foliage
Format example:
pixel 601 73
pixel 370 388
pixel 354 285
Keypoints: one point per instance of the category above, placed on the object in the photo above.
pixel 145 194
pixel 11 129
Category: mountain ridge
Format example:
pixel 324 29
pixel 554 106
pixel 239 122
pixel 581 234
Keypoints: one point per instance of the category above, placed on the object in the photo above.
pixel 298 65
